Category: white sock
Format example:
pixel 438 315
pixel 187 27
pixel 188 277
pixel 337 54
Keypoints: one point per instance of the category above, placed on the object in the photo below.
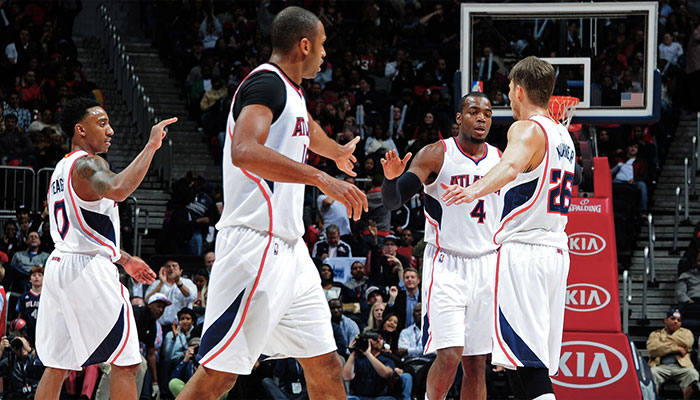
pixel 546 396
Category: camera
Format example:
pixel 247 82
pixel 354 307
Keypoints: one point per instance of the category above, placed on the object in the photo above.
pixel 362 340
pixel 16 343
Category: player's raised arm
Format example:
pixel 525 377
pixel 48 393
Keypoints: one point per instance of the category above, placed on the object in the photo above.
pixel 525 150
pixel 248 152
pixel 399 186
pixel 93 180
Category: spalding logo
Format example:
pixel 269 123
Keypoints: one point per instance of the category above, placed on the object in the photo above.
pixel 586 297
pixel 587 365
pixel 586 243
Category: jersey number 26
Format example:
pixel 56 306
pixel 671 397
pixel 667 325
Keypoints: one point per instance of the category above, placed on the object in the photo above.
pixel 560 194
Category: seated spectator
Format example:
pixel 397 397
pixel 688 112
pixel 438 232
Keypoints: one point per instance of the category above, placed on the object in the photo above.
pixel 390 331
pixel 411 338
pixel 386 266
pixel 688 292
pixel 175 342
pixel 670 50
pixel 210 30
pixel 334 213
pixel 372 295
pixel 201 280
pixel 209 258
pixel 669 354
pixel 632 171
pixel 16 148
pixel 332 246
pixel 150 334
pixel 178 290
pixel 22 115
pixel 17 367
pixel 203 213
pixel 287 382
pixel 332 289
pixel 185 368
pixel 403 299
pixel 23 261
pixel 369 371
pixel 347 326
pixel 45 120
pixel 8 242
pixel 376 316
pixel 28 90
pixel 405 246
pixel 28 304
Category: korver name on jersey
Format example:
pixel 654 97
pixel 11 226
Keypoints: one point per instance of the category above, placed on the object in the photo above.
pixel 301 128
pixel 466 180
pixel 564 151
pixel 57 186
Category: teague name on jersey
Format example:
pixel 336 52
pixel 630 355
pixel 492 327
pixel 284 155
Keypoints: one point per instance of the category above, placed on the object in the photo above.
pixel 57 186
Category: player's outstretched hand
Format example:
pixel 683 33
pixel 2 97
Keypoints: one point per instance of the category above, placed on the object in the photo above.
pixel 393 165
pixel 455 194
pixel 158 131
pixel 351 196
pixel 346 160
pixel 139 270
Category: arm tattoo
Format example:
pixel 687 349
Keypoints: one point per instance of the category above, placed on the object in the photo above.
pixel 95 171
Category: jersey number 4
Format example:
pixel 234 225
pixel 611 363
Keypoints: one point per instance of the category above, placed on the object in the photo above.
pixel 478 212
pixel 560 194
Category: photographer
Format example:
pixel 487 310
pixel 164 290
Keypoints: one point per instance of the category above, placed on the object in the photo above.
pixel 17 367
pixel 367 369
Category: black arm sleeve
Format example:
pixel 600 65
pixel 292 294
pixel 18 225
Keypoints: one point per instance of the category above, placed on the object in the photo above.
pixel 395 192
pixel 265 88
pixel 578 174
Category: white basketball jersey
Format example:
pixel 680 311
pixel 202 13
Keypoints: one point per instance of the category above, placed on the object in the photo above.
pixel 250 200
pixel 536 203
pixel 465 228
pixel 78 226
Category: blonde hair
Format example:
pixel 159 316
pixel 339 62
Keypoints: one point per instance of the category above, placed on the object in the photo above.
pixel 370 321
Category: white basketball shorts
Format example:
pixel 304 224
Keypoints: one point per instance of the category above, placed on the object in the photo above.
pixel 529 307
pixel 85 316
pixel 264 297
pixel 458 310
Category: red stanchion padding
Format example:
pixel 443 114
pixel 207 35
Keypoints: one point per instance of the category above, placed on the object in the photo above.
pixel 600 366
pixel 592 295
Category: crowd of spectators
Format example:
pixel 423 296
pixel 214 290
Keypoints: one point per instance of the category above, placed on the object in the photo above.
pixel 39 70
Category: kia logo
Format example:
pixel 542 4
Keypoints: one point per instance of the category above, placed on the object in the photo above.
pixel 587 365
pixel 586 243
pixel 586 297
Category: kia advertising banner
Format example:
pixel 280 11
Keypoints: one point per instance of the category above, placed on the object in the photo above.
pixel 600 366
pixel 592 296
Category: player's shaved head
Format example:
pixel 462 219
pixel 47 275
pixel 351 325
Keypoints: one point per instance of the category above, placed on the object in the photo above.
pixel 290 26
pixel 463 100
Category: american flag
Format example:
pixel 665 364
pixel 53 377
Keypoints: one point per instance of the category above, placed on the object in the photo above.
pixel 632 99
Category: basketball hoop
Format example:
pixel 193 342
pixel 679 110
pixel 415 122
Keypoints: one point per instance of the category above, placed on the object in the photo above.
pixel 562 108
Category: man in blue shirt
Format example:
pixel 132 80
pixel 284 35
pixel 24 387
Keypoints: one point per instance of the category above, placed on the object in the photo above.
pixel 368 370
pixel 347 326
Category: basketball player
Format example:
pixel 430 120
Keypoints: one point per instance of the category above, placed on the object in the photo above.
pixel 460 257
pixel 85 315
pixel 535 177
pixel 265 294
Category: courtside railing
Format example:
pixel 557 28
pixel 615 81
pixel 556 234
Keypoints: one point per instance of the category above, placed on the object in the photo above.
pixel 627 300
pixel 17 187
